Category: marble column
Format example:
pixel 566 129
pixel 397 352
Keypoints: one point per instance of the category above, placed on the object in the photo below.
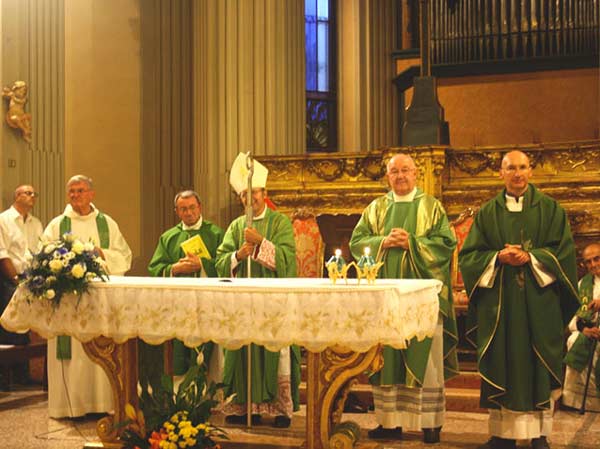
pixel 249 90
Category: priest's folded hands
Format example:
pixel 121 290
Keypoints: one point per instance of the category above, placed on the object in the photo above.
pixel 513 255
pixel 188 264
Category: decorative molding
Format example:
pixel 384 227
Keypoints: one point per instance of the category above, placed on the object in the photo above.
pixel 461 177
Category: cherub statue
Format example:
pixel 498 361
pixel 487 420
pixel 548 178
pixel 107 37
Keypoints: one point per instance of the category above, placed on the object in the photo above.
pixel 16 117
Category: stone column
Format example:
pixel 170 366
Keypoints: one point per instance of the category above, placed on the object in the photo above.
pixel 33 51
pixel 367 36
pixel 249 90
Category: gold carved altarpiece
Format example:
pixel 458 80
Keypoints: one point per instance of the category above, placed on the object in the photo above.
pixel 344 183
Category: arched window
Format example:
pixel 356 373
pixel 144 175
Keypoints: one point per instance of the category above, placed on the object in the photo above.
pixel 321 104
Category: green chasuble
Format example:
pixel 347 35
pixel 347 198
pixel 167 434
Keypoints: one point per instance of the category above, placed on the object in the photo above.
pixel 517 324
pixel 431 244
pixel 579 355
pixel 168 252
pixel 277 229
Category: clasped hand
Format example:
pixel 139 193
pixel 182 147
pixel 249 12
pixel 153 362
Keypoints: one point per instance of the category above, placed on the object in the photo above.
pixel 397 238
pixel 188 264
pixel 513 255
pixel 252 238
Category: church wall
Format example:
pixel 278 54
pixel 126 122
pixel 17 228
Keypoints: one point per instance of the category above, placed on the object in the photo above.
pixel 102 106
pixel 523 108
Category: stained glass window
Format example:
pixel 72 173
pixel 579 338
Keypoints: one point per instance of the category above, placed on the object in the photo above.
pixel 320 76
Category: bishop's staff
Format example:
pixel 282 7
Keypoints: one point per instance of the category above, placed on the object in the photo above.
pixel 249 218
pixel 590 366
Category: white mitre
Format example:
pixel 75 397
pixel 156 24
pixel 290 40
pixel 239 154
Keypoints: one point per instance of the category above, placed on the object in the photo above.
pixel 238 176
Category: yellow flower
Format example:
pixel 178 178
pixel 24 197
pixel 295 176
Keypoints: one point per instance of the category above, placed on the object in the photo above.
pixel 55 265
pixel 50 293
pixel 78 271
pixel 173 436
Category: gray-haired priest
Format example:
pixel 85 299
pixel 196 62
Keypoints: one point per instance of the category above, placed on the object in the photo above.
pixel 409 232
pixel 87 386
pixel 270 244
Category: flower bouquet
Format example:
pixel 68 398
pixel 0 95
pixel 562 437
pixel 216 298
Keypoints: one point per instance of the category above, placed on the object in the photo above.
pixel 63 266
pixel 169 419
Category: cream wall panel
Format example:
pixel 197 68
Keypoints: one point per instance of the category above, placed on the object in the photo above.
pixel 102 106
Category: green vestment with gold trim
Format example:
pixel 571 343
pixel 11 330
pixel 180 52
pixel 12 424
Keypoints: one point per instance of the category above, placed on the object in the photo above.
pixel 431 244
pixel 518 325
pixel 579 355
pixel 277 229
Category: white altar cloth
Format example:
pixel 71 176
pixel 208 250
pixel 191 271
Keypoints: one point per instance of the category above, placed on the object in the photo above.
pixel 234 312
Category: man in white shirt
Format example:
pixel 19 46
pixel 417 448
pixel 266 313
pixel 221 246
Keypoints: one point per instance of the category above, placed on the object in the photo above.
pixel 585 330
pixel 87 386
pixel 19 237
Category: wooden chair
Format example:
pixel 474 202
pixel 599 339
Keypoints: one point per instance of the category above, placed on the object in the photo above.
pixel 460 227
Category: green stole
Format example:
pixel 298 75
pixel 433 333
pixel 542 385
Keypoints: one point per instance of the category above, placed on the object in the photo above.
pixel 63 342
pixel 579 355
pixel 406 366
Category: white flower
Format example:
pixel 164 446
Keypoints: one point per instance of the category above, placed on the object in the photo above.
pixel 89 276
pixel 77 247
pixel 56 255
pixel 70 255
pixel 78 271
pixel 65 262
pixel 49 248
pixel 89 246
pixel 55 265
pixel 50 293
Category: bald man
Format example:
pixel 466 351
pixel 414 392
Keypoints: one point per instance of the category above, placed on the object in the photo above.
pixel 408 230
pixel 585 329
pixel 519 269
pixel 19 237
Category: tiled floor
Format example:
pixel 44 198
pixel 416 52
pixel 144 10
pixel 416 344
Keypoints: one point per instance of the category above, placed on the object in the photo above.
pixel 24 424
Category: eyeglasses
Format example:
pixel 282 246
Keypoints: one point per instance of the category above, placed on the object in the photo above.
pixel 191 208
pixel 404 171
pixel 595 259
pixel 29 193
pixel 77 191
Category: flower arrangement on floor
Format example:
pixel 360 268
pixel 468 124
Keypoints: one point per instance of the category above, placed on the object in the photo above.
pixel 63 266
pixel 169 419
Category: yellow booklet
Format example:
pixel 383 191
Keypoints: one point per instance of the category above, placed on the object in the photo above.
pixel 195 245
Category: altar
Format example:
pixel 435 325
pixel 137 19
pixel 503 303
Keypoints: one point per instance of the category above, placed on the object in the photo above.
pixel 342 326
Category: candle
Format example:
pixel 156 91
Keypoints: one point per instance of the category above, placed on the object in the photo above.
pixel 366 260
pixel 337 259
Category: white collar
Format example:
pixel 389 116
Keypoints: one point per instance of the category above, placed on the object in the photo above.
pixel 262 215
pixel 409 197
pixel 193 227
pixel 514 204
pixel 15 215
pixel 69 212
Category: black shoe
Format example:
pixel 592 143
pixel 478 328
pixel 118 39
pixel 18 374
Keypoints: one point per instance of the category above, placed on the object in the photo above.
pixel 431 435
pixel 282 422
pixel 354 405
pixel 540 443
pixel 385 434
pixel 499 443
pixel 242 419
